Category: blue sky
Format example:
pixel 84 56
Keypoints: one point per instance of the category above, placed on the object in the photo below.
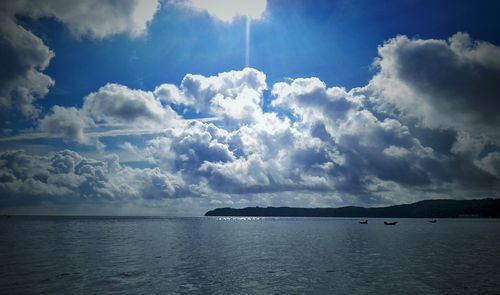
pixel 340 97
pixel 334 40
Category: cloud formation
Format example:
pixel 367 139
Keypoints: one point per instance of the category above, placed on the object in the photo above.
pixel 67 122
pixel 117 104
pixel 234 95
pixel 312 145
pixel 450 83
pixel 112 107
pixel 25 56
pixel 67 177
pixel 96 19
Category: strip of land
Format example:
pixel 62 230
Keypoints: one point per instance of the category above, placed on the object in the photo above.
pixel 484 208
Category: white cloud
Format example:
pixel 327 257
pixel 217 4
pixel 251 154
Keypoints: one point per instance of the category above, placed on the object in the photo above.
pixel 304 93
pixel 335 146
pixel 228 10
pixel 113 110
pixel 467 144
pixel 169 93
pixel 311 101
pixel 94 18
pixel 490 164
pixel 188 147
pixel 394 151
pixel 118 104
pixel 234 95
pixel 25 56
pixel 67 122
pixel 69 178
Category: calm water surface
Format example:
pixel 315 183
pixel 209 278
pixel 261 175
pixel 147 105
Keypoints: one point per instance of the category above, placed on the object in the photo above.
pixel 248 256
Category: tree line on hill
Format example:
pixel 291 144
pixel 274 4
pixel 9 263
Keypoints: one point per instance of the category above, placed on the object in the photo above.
pixel 424 209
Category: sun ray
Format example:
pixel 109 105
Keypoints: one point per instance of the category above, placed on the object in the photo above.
pixel 247 43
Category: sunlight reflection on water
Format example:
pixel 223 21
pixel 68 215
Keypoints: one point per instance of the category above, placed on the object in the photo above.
pixel 238 218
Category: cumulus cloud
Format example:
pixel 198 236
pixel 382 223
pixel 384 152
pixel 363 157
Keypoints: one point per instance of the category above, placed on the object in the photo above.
pixel 361 148
pixel 25 56
pixel 234 95
pixel 97 19
pixel 445 86
pixel 67 177
pixel 306 96
pixel 185 149
pixel 314 104
pixel 490 164
pixel 452 83
pixel 112 107
pixel 313 145
pixel 118 104
pixel 169 93
pixel 67 122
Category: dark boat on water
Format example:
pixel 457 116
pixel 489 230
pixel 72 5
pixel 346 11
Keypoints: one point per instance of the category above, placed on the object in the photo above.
pixel 390 223
pixel 432 221
pixel 364 221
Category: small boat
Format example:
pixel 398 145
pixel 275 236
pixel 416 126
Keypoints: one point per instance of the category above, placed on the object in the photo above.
pixel 364 221
pixel 390 223
pixel 432 221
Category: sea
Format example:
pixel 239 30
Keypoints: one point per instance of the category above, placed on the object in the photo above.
pixel 247 255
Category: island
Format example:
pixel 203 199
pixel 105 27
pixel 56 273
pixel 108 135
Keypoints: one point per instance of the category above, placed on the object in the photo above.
pixel 443 208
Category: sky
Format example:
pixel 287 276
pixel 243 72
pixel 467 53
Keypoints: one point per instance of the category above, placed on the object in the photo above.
pixel 176 107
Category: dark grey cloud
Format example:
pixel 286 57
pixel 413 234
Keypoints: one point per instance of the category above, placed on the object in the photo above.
pixel 24 57
pixel 452 83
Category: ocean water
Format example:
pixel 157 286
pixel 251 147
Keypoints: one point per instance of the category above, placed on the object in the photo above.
pixel 211 255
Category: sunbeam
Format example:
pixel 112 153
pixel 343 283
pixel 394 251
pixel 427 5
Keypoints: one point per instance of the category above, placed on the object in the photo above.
pixel 247 43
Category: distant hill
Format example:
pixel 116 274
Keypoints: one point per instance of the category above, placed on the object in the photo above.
pixel 422 209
